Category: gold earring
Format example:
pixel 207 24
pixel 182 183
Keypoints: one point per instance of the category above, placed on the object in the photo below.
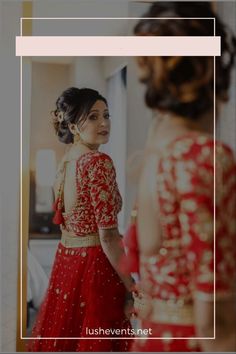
pixel 77 138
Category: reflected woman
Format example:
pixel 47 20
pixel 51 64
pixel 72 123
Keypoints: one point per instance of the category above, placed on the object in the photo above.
pixel 86 290
pixel 174 248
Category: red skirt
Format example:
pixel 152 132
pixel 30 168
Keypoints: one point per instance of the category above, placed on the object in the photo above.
pixel 85 295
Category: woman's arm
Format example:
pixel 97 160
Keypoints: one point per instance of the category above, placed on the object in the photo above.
pixel 225 339
pixel 206 264
pixel 114 250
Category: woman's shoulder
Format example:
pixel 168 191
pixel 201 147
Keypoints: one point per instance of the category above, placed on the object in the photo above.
pixel 96 160
pixel 199 146
pixel 95 157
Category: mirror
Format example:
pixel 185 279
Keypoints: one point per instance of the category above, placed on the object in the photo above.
pixel 43 152
pixel 43 79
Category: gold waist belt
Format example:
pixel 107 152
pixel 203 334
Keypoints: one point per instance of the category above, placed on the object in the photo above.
pixel 70 240
pixel 164 311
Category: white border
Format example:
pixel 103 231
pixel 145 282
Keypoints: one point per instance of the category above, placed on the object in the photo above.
pixel 214 197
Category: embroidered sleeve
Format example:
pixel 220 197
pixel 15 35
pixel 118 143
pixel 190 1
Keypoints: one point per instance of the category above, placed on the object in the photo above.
pixel 195 185
pixel 105 196
pixel 225 221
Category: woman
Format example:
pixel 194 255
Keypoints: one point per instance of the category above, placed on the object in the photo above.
pixel 86 294
pixel 174 249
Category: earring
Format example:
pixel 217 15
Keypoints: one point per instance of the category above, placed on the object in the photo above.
pixel 77 138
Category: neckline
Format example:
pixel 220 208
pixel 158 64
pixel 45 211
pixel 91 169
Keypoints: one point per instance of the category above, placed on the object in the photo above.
pixel 82 155
pixel 192 134
pixel 66 213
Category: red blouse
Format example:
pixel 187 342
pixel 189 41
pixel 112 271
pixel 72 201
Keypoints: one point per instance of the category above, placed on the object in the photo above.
pixel 184 265
pixel 185 181
pixel 98 199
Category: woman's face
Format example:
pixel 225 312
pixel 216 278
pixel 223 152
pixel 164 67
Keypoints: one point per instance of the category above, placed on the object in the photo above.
pixel 96 128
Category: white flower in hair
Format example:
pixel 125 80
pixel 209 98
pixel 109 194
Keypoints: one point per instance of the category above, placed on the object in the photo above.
pixel 60 117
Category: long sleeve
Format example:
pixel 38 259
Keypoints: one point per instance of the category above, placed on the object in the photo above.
pixel 203 249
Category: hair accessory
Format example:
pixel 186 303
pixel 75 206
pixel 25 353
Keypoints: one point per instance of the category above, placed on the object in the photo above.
pixel 60 117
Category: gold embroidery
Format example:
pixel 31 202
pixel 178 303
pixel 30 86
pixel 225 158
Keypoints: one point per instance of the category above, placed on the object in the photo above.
pixel 186 239
pixel 205 237
pixel 163 251
pixel 183 218
pixel 189 205
pixel 182 147
pixel 167 336
pixel 184 222
pixel 201 140
pixel 192 343
pixel 203 278
pixel 183 178
pixel 108 165
pixel 103 196
pixel 161 311
pixel 207 256
pixel 71 240
pixel 168 207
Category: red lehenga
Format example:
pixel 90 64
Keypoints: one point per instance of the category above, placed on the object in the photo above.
pixel 184 267
pixel 84 293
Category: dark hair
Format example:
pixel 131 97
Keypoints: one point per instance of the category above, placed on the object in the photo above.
pixel 185 84
pixel 73 106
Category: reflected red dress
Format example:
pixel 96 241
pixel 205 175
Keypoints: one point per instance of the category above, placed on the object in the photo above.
pixel 184 266
pixel 85 293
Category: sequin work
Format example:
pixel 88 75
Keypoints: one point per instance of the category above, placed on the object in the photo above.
pixel 84 290
pixel 184 266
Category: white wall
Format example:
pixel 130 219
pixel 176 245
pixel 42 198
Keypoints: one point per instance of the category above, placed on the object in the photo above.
pixel 113 64
pixel 1 201
pixel 227 120
pixel 81 8
pixel 9 181
pixel 48 82
pixel 88 72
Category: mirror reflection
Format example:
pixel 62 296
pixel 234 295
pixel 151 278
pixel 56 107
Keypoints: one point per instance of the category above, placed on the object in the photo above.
pixel 78 154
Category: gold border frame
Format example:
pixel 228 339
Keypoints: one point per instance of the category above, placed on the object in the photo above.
pixel 27 10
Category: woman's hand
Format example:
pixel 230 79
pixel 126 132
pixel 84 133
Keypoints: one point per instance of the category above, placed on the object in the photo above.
pixel 113 248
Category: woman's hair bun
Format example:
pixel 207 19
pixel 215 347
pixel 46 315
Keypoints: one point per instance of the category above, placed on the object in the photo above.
pixel 185 85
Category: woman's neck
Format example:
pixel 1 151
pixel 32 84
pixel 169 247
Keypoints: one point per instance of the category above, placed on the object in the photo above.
pixel 79 148
pixel 179 123
pixel 167 127
pixel 80 143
